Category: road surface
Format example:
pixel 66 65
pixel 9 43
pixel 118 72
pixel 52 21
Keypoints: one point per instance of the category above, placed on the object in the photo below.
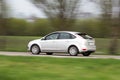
pixel 59 55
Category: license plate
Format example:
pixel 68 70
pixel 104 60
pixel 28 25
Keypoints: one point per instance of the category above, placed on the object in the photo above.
pixel 91 44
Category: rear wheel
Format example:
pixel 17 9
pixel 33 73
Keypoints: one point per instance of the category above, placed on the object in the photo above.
pixel 86 53
pixel 35 49
pixel 49 53
pixel 73 51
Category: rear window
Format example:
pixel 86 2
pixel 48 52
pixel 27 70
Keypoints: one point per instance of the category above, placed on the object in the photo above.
pixel 85 36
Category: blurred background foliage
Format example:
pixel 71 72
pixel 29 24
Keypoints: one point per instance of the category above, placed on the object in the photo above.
pixel 40 27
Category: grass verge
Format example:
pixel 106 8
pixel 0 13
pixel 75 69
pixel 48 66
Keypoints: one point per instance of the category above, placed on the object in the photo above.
pixel 44 68
pixel 16 43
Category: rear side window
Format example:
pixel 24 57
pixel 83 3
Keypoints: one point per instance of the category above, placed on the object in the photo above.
pixel 85 36
pixel 66 36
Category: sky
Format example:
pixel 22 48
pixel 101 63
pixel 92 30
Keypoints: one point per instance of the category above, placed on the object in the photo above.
pixel 90 7
pixel 23 8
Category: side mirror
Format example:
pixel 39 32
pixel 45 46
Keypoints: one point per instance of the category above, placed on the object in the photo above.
pixel 43 38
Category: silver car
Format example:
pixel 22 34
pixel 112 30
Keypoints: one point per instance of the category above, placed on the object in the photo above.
pixel 63 41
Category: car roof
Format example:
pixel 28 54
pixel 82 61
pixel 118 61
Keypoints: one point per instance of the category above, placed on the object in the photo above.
pixel 72 32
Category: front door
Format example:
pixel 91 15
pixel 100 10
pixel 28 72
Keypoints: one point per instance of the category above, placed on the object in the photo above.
pixel 49 43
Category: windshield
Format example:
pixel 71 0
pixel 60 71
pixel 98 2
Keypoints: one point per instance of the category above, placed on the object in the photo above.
pixel 85 36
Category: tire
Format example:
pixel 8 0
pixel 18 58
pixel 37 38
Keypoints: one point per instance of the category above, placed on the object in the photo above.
pixel 73 51
pixel 86 53
pixel 35 49
pixel 49 53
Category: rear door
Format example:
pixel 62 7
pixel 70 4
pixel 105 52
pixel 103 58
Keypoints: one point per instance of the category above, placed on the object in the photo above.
pixel 63 42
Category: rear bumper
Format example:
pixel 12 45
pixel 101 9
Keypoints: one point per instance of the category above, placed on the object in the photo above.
pixel 88 49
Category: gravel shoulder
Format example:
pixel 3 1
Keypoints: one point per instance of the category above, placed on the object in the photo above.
pixel 59 55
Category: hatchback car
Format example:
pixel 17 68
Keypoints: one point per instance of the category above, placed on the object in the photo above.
pixel 63 41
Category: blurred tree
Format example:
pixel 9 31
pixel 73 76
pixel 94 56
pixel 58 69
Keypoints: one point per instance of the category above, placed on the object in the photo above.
pixel 3 23
pixel 42 27
pixel 16 27
pixel 111 18
pixel 3 20
pixel 61 13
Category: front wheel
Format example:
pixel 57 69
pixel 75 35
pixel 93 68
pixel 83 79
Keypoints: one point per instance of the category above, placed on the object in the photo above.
pixel 35 49
pixel 73 51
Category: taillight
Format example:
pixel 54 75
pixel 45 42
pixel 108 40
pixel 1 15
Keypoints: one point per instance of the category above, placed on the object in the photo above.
pixel 84 49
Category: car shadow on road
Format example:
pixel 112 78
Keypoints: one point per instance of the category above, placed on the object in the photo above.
pixel 60 54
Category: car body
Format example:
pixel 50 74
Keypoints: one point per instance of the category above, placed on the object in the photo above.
pixel 63 41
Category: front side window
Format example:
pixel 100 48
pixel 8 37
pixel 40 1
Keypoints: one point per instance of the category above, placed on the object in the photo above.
pixel 52 36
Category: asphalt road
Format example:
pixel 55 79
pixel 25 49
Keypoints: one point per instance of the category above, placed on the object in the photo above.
pixel 59 55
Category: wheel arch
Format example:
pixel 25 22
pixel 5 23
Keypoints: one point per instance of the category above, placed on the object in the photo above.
pixel 34 45
pixel 71 46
